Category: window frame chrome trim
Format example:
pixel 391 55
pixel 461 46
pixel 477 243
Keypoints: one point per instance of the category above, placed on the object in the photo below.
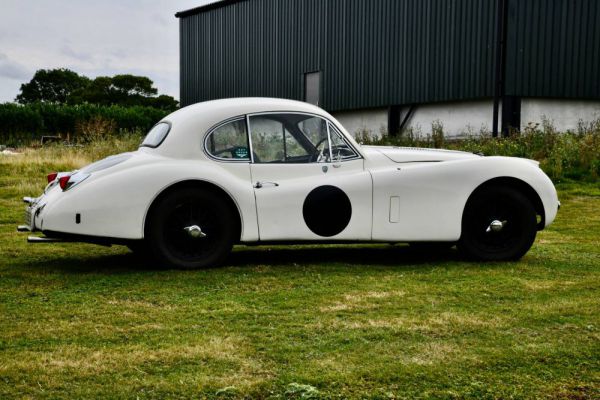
pixel 327 120
pixel 221 124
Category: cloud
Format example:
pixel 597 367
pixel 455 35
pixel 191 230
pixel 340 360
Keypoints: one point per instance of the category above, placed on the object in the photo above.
pixel 92 38
pixel 78 55
pixel 12 69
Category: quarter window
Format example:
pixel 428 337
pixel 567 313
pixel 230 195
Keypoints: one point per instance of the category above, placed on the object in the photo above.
pixel 340 149
pixel 229 142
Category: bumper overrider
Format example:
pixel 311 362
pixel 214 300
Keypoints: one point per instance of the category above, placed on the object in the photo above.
pixel 32 211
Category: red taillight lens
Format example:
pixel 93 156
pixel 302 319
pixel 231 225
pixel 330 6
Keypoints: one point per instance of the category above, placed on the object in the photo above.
pixel 63 181
pixel 52 176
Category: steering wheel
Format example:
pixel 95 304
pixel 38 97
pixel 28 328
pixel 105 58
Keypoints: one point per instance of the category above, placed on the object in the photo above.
pixel 342 151
pixel 315 156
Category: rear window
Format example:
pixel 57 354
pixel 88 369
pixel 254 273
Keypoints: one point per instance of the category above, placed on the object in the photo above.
pixel 156 135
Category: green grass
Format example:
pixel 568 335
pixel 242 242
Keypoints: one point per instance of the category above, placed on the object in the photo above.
pixel 368 321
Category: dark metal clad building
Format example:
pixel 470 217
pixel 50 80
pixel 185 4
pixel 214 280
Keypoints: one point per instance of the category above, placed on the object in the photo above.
pixel 355 57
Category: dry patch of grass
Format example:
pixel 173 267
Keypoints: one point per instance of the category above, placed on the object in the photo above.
pixel 361 301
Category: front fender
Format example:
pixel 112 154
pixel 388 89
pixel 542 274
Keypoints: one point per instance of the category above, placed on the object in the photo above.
pixel 431 197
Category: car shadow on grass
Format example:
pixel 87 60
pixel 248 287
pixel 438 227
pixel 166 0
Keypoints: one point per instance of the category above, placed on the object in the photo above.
pixel 347 256
pixel 360 255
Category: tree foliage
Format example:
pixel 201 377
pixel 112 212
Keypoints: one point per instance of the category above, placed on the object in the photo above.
pixel 61 86
pixel 52 86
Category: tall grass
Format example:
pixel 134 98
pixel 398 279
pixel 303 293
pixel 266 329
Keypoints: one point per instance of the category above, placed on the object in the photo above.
pixel 39 160
pixel 572 154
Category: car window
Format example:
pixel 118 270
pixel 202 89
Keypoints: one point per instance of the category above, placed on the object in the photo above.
pixel 229 141
pixel 340 149
pixel 156 135
pixel 289 138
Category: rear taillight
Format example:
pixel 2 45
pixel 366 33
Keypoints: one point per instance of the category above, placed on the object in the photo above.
pixel 63 181
pixel 52 176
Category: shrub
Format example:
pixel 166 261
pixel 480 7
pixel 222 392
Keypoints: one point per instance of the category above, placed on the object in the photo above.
pixel 571 154
pixel 20 124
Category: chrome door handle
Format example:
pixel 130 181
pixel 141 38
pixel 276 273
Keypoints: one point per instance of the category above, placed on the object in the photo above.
pixel 262 184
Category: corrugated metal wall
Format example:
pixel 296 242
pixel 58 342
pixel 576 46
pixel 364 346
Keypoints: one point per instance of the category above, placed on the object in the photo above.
pixel 382 52
pixel 553 48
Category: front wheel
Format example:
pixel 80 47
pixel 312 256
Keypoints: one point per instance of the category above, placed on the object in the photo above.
pixel 191 228
pixel 499 224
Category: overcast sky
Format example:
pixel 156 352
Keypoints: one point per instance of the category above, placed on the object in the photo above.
pixel 91 37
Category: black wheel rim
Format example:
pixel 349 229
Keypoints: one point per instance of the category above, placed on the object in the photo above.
pixel 493 211
pixel 179 242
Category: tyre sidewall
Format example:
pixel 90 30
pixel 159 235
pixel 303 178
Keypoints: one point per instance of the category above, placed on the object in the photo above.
pixel 525 212
pixel 209 199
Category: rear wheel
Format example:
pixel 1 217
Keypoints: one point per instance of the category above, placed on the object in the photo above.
pixel 191 228
pixel 499 223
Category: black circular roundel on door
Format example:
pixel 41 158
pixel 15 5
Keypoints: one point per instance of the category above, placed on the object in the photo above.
pixel 327 210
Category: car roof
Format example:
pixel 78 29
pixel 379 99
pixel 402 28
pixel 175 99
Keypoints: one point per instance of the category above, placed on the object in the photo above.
pixel 190 124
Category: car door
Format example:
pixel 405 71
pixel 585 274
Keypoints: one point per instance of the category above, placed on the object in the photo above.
pixel 301 192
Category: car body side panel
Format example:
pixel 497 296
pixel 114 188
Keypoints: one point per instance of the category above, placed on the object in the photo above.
pixel 115 204
pixel 427 199
pixel 280 208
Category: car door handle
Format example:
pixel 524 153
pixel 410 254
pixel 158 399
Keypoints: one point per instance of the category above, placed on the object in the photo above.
pixel 262 184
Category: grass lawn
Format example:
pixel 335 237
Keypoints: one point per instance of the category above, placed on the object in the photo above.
pixel 368 321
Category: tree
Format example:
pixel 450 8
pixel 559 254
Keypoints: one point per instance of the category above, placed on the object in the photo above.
pixel 123 90
pixel 52 85
pixel 163 102
pixel 65 86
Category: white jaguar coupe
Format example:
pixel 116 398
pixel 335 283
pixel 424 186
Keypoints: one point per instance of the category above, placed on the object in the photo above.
pixel 260 170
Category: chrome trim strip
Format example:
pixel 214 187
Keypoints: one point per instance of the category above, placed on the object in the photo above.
pixel 249 139
pixel 359 154
pixel 39 239
pixel 217 126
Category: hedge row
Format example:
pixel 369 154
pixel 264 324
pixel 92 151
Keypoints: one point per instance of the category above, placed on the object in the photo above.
pixel 572 154
pixel 20 123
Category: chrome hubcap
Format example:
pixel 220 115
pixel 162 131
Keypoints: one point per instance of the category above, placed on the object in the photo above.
pixel 194 231
pixel 495 226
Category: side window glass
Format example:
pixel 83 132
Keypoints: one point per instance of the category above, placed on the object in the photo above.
pixel 340 149
pixel 229 142
pixel 289 138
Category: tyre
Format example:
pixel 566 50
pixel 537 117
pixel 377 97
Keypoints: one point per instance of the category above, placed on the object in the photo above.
pixel 498 224
pixel 191 228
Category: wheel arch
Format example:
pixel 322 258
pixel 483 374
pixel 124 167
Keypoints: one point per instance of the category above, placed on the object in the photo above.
pixel 199 185
pixel 517 184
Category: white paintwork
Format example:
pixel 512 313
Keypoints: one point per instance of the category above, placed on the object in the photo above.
pixel 280 207
pixel 373 121
pixel 397 194
pixel 457 118
pixel 563 114
pixel 469 118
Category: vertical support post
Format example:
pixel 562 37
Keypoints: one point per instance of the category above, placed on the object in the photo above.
pixel 394 120
pixel 511 114
pixel 500 73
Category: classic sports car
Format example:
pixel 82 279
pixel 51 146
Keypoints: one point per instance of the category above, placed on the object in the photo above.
pixel 259 170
